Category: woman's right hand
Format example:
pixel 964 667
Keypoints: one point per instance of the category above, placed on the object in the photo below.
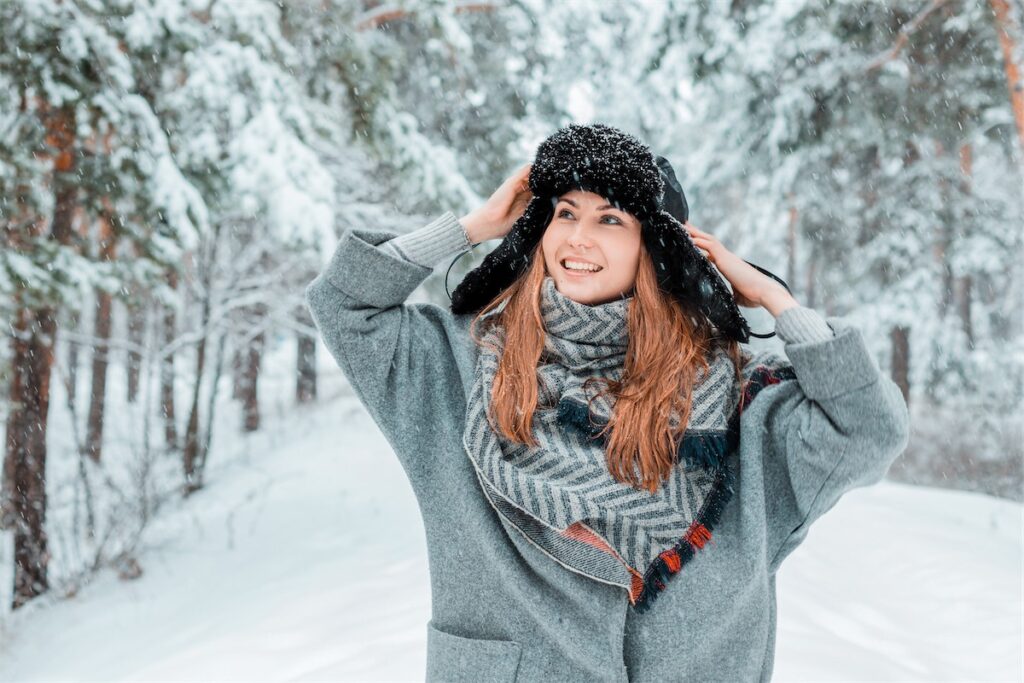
pixel 496 216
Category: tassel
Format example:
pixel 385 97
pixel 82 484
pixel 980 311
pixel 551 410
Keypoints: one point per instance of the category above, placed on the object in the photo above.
pixel 671 558
pixel 698 535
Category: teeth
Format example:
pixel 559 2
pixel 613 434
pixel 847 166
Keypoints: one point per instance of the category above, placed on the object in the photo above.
pixel 576 265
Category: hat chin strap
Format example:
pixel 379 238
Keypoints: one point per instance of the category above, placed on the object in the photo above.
pixel 446 291
pixel 777 279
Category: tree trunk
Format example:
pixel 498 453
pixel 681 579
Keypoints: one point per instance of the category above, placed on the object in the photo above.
pixel 167 370
pixel 33 336
pixel 942 244
pixel 34 332
pixel 136 334
pixel 101 352
pixel 900 337
pixel 1001 8
pixel 964 283
pixel 305 382
pixel 72 358
pixel 250 384
pixel 74 318
pixel 812 275
pixel 191 454
pixel 791 239
pixel 964 307
pixel 237 375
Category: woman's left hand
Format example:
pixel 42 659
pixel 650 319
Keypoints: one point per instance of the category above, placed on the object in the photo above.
pixel 750 286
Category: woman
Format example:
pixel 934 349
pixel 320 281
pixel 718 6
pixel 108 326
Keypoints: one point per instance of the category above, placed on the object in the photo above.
pixel 609 477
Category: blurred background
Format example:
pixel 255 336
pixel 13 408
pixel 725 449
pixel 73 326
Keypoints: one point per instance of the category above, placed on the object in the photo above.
pixel 174 172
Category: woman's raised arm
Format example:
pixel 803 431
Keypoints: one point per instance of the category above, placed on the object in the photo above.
pixel 401 359
pixel 837 426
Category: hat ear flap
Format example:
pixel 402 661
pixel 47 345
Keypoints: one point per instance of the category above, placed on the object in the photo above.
pixel 506 263
pixel 673 201
pixel 683 271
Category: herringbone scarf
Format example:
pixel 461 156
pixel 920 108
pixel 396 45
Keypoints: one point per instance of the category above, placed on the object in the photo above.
pixel 561 496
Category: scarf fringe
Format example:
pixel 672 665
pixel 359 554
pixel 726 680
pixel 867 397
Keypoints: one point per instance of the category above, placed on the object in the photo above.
pixel 671 561
pixel 701 449
pixel 698 450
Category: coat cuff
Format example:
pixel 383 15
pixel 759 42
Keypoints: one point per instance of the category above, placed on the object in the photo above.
pixel 801 324
pixel 435 242
pixel 827 369
pixel 368 273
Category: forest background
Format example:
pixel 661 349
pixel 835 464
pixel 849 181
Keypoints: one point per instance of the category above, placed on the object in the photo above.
pixel 174 172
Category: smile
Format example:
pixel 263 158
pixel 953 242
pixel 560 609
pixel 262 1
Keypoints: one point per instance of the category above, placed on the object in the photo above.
pixel 580 268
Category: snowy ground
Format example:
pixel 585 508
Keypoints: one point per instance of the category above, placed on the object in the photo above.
pixel 304 559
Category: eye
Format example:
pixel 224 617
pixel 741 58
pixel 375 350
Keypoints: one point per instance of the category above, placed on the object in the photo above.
pixel 616 220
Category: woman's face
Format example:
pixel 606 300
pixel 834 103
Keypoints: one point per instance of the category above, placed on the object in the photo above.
pixel 586 229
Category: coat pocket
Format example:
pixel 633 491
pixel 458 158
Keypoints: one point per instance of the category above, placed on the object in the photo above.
pixel 456 658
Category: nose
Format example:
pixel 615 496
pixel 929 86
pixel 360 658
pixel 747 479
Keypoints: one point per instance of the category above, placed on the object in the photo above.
pixel 580 236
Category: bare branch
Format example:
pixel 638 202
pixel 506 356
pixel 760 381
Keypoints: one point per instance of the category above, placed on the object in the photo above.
pixel 380 16
pixel 909 29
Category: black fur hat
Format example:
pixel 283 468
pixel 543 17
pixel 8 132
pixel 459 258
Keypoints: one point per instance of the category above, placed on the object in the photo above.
pixel 605 160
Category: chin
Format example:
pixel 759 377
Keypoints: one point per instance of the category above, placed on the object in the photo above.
pixel 578 291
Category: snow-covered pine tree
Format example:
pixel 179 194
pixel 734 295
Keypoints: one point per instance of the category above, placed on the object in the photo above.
pixel 867 149
pixel 81 145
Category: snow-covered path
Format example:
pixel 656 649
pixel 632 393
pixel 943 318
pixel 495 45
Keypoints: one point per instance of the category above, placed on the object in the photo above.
pixel 304 559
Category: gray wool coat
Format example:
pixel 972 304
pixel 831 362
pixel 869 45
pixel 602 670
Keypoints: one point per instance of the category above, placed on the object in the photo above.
pixel 502 610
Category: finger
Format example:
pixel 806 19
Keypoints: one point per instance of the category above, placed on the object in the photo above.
pixel 703 237
pixel 703 250
pixel 525 182
pixel 697 231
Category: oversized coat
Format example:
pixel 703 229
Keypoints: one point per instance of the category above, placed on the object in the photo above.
pixel 503 610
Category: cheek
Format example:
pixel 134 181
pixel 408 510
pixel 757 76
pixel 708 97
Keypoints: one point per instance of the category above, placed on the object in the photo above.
pixel 550 243
pixel 627 255
pixel 547 246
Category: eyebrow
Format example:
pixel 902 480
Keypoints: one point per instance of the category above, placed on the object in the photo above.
pixel 600 208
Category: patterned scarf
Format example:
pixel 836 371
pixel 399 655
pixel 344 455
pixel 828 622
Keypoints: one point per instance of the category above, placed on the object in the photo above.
pixel 561 496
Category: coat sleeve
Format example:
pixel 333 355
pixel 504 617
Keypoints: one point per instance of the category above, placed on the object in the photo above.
pixel 837 426
pixel 401 359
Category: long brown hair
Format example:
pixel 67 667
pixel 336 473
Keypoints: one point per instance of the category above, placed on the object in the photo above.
pixel 653 386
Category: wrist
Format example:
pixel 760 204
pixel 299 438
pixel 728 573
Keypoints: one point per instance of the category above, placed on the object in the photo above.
pixel 778 299
pixel 476 228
